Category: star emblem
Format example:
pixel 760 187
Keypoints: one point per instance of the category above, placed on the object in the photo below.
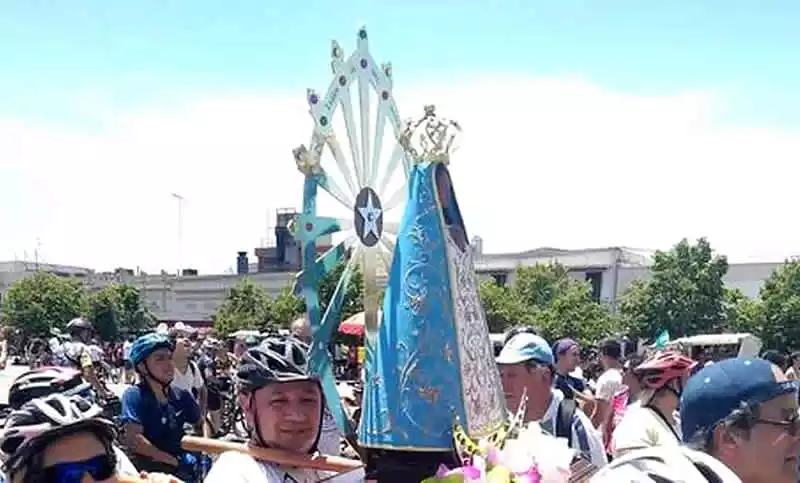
pixel 368 209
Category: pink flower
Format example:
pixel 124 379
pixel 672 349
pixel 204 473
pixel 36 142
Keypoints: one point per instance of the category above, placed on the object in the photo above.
pixel 530 476
pixel 444 472
pixel 467 472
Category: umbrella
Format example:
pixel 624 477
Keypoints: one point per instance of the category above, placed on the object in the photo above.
pixel 354 325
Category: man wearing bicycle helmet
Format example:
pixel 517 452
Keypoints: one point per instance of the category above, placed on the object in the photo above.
pixel 77 354
pixel 653 423
pixel 283 406
pixel 154 414
pixel 60 438
pixel 739 424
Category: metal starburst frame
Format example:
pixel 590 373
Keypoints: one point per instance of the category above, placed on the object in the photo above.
pixel 367 238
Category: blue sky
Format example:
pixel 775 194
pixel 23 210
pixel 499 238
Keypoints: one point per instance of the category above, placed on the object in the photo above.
pixel 140 52
pixel 605 122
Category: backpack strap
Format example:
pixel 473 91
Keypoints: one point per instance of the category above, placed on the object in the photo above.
pixel 566 413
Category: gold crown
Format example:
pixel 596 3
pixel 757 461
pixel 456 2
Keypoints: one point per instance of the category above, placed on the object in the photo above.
pixel 431 138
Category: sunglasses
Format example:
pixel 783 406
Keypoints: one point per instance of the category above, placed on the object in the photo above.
pixel 790 425
pixel 101 467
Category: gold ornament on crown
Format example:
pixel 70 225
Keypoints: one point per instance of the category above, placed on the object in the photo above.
pixel 431 139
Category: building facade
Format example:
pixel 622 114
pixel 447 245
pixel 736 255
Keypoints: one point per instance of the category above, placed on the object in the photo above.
pixel 194 298
pixel 609 271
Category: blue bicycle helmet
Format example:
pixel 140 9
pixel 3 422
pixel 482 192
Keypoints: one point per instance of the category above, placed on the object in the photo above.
pixel 147 344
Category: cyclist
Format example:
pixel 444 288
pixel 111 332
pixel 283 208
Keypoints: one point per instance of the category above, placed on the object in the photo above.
pixel 283 405
pixel 654 423
pixel 187 375
pixel 77 354
pixel 216 367
pixel 154 414
pixel 739 424
pixel 60 420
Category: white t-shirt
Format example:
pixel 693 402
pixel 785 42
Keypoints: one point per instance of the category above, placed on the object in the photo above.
pixel 191 379
pixel 235 467
pixel 641 427
pixel 608 384
pixel 96 352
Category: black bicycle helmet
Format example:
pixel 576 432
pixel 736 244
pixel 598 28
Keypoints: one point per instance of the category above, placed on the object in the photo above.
pixel 275 360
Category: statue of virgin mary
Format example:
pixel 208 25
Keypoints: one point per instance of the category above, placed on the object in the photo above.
pixel 432 365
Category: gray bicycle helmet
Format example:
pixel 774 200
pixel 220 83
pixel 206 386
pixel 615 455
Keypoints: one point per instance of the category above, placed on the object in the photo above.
pixel 275 360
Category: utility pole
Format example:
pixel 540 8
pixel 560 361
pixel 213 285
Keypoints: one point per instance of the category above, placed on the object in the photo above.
pixel 180 200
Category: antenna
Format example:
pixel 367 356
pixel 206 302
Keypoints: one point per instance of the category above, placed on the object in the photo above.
pixel 270 241
pixel 36 252
pixel 266 238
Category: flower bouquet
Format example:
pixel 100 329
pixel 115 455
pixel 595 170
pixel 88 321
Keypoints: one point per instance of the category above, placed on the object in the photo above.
pixel 517 454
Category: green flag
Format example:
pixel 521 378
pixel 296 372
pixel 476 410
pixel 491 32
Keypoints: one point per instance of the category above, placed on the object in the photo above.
pixel 662 339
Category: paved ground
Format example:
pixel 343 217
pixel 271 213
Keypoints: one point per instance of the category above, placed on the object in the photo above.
pixel 8 375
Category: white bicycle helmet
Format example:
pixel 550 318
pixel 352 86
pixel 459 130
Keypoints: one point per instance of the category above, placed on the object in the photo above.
pixel 666 464
pixel 45 381
pixel 78 324
pixel 47 418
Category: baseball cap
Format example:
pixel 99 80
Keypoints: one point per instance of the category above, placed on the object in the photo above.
pixel 525 347
pixel 562 346
pixel 717 390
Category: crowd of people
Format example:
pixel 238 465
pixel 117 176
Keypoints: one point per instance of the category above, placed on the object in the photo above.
pixel 646 417
pixel 662 417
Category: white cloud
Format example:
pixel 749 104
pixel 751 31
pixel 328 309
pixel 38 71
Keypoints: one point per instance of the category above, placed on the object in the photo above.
pixel 557 162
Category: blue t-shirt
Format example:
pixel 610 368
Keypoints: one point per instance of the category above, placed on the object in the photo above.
pixel 162 424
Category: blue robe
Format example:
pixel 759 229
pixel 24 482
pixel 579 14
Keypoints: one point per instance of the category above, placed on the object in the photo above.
pixel 431 363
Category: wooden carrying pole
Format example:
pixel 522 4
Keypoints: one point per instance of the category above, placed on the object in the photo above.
pixel 129 479
pixel 314 462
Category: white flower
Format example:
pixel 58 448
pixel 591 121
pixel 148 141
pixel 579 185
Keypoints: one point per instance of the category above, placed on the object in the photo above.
pixel 532 446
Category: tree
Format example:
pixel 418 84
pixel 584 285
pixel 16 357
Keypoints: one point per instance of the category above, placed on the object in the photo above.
pixel 354 296
pixel 285 308
pixel 743 314
pixel 685 294
pixel 547 297
pixel 118 309
pixel 247 306
pixel 561 305
pixel 780 296
pixel 104 312
pixel 503 307
pixel 42 301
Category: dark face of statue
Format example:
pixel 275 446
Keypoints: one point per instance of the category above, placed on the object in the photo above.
pixel 443 186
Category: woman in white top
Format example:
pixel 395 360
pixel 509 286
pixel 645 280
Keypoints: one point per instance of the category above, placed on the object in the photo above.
pixel 654 422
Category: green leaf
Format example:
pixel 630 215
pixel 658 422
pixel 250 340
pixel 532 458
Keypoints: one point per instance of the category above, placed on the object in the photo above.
pixel 685 294
pixel 42 301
